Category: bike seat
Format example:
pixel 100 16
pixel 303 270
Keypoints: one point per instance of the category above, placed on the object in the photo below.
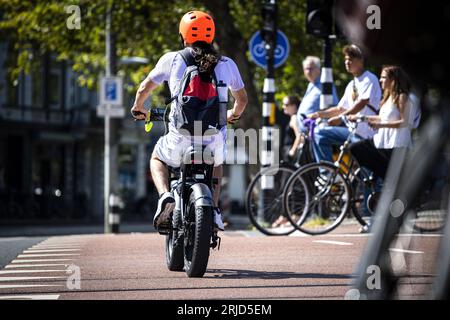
pixel 196 155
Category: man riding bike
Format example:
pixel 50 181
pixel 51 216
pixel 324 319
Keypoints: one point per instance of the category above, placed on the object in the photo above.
pixel 197 32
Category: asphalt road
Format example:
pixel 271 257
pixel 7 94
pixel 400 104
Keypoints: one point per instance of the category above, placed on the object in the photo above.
pixel 248 266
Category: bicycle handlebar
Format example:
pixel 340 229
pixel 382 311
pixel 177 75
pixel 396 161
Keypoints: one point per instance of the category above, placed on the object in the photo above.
pixel 351 125
pixel 153 114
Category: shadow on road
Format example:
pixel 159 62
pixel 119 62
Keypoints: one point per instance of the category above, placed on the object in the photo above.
pixel 248 274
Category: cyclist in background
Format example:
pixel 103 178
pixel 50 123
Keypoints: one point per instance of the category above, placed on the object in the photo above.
pixel 197 31
pixel 292 136
pixel 362 95
pixel 393 123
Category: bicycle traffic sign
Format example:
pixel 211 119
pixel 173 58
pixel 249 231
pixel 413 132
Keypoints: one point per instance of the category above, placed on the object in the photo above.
pixel 258 51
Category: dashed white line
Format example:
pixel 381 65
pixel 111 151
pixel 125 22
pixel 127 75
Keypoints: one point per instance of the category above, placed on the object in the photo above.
pixel 339 243
pixel 13 286
pixel 28 255
pixel 31 297
pixel 28 278
pixel 39 247
pixel 39 260
pixel 28 271
pixel 16 266
pixel 49 250
pixel 405 251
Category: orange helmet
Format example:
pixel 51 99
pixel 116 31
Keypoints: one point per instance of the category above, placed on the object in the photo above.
pixel 197 26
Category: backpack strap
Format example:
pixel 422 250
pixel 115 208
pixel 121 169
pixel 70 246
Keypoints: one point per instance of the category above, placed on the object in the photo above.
pixel 189 60
pixel 187 56
pixel 372 108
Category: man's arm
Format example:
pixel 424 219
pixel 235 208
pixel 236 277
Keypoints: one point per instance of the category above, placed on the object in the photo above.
pixel 357 107
pixel 240 102
pixel 328 113
pixel 145 88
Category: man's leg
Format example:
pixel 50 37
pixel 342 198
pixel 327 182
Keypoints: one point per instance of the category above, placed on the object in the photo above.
pixel 160 174
pixel 325 138
pixel 166 202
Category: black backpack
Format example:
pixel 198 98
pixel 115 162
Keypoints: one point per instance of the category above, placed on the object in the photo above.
pixel 197 99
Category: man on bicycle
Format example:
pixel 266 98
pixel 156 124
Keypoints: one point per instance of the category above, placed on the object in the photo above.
pixel 197 32
pixel 362 95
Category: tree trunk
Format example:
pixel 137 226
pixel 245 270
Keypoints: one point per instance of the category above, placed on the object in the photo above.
pixel 233 45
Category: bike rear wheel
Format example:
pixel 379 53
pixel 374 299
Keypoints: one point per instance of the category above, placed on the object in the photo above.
pixel 264 201
pixel 324 201
pixel 197 237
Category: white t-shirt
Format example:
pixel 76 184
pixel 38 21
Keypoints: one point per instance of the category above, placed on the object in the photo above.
pixel 366 86
pixel 171 66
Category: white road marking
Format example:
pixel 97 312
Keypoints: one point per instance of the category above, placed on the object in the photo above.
pixel 404 251
pixel 15 266
pixel 46 255
pixel 59 245
pixel 49 251
pixel 28 278
pixel 339 243
pixel 31 297
pixel 40 260
pixel 28 271
pixel 12 286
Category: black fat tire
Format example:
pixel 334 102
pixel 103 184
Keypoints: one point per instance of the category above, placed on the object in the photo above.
pixel 175 245
pixel 196 249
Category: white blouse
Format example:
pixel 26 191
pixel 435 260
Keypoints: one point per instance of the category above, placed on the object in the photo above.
pixel 389 138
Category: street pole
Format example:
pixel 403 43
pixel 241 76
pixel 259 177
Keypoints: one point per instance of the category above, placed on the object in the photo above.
pixel 326 78
pixel 110 66
pixel 268 112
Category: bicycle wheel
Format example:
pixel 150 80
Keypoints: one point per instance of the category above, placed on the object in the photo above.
pixel 174 245
pixel 197 237
pixel 362 208
pixel 323 201
pixel 263 205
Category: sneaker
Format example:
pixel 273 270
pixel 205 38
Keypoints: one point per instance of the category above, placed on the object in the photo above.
pixel 365 229
pixel 163 215
pixel 218 223
pixel 321 180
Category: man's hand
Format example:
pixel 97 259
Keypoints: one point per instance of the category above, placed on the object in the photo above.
pixel 335 121
pixel 314 115
pixel 139 112
pixel 232 117
pixel 353 117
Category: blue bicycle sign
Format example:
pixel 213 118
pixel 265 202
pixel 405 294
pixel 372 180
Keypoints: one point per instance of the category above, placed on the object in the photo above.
pixel 258 51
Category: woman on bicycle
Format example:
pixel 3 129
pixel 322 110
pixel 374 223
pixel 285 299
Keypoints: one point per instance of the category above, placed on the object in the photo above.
pixel 393 123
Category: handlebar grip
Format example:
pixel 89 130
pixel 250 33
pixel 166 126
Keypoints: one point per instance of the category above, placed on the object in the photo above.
pixel 154 114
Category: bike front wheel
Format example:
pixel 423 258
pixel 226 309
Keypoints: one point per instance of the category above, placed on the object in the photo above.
pixel 323 201
pixel 263 201
pixel 197 237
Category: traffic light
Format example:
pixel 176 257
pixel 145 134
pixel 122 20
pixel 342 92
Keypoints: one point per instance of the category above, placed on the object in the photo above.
pixel 319 18
pixel 269 14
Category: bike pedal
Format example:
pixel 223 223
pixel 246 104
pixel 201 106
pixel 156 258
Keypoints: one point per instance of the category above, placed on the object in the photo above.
pixel 164 231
